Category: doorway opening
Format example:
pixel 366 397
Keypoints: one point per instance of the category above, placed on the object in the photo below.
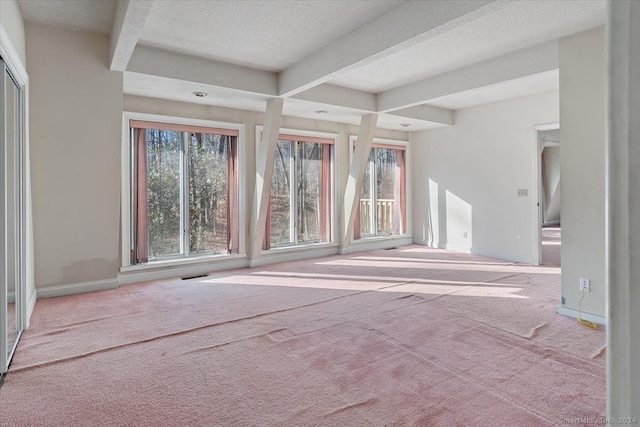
pixel 549 196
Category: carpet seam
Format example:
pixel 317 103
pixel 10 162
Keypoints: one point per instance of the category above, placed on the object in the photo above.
pixel 187 331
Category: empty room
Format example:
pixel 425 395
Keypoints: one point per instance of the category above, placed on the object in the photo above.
pixel 319 213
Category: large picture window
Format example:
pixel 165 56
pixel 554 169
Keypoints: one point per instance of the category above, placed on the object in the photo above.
pixel 300 192
pixel 183 191
pixel 382 207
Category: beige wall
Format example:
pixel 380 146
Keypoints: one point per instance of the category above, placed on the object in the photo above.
pixel 13 24
pixel 582 163
pixel 76 132
pixel 76 114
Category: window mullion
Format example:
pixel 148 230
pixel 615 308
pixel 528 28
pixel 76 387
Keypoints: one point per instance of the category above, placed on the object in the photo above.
pixel 293 193
pixel 133 183
pixel 373 184
pixel 184 195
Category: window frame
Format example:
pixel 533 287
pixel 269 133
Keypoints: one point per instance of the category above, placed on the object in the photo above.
pixel 396 145
pixel 166 122
pixel 329 222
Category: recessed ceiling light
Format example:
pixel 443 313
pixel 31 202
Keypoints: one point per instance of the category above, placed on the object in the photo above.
pixel 322 112
pixel 200 94
pixel 405 125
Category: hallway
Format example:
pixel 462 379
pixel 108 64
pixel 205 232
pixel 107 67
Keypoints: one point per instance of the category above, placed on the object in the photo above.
pixel 551 245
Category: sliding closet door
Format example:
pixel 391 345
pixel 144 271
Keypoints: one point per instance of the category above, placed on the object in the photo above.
pixel 11 213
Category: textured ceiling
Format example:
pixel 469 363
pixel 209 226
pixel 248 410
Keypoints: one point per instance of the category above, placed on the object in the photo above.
pixel 263 34
pixel 530 85
pixel 413 62
pixel 90 15
pixel 519 25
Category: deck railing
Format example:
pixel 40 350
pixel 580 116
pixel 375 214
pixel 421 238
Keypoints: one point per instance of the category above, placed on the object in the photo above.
pixel 384 212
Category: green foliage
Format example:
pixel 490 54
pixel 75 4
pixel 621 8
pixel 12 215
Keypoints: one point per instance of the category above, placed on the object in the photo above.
pixel 306 159
pixel 205 157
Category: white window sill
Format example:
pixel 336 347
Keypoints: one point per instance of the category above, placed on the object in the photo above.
pixel 179 262
pixel 382 238
pixel 295 252
pixel 300 247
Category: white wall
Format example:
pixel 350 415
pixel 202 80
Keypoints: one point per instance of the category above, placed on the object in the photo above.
pixel 465 178
pixel 76 115
pixel 582 159
pixel 623 210
pixel 12 22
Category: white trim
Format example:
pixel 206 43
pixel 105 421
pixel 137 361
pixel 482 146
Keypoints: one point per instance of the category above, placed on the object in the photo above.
pixel 125 197
pixel 182 262
pixel 77 288
pixel 177 271
pixel 31 304
pixel 333 171
pixel 298 132
pixel 502 256
pixel 408 175
pixel 294 253
pixel 18 71
pixel 536 189
pixel 457 248
pixel 401 142
pixel 586 316
pixel 547 126
pixel 378 242
pixel 11 58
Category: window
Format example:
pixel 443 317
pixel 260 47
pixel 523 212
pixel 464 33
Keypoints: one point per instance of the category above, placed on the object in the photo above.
pixel 300 192
pixel 382 207
pixel 184 195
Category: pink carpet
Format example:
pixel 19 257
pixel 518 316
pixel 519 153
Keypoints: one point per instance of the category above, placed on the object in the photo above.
pixel 405 337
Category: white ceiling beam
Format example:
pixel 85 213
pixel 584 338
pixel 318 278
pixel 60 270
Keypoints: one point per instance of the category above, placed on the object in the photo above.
pixel 328 94
pixel 265 154
pixel 164 63
pixel 522 63
pixel 408 24
pixel 428 113
pixel 340 96
pixel 128 25
pixel 354 180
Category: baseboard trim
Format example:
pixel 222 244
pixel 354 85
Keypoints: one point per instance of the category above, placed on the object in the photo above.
pixel 586 316
pixel 457 248
pixel 502 256
pixel 77 288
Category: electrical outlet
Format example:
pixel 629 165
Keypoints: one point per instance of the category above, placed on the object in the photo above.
pixel 585 284
pixel 523 192
pixel 465 235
